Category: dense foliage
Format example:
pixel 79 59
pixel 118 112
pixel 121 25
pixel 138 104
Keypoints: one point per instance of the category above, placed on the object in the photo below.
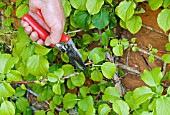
pixel 47 72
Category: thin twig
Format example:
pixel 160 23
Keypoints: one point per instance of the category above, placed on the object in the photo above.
pixel 164 69
pixel 127 68
pixel 75 31
pixel 147 53
pixel 152 29
pixel 71 75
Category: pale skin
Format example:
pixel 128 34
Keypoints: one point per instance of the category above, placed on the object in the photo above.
pixel 53 14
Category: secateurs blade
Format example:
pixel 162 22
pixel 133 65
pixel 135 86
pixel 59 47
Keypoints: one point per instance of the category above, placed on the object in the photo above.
pixel 66 44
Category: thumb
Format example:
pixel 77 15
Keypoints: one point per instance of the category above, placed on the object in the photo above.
pixel 55 34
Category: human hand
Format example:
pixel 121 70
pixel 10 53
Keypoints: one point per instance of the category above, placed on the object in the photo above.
pixel 53 15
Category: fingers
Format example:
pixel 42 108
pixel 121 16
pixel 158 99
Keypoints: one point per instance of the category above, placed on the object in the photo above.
pixel 40 41
pixel 34 36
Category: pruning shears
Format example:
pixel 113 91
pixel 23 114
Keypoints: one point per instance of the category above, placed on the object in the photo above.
pixel 66 44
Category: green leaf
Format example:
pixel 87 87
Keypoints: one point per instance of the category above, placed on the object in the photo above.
pixel 82 19
pixel 105 39
pixel 18 2
pixel 104 109
pixel 52 77
pixel 84 90
pixel 8 11
pixel 97 55
pixel 78 4
pixel 85 103
pixel 43 95
pixel 21 10
pixel 14 75
pixel 7 108
pixel 94 6
pixel 22 104
pixel 57 99
pixel 134 24
pixel 2 4
pixel 6 90
pixel 164 19
pixel 96 75
pixel 125 10
pixel 65 57
pixel 114 42
pixel 140 0
pixel 40 112
pixel 8 21
pixel 121 107
pixel 167 47
pixel 19 92
pixel 10 64
pixel 142 94
pixel 109 1
pixel 41 50
pixel 153 77
pixel 63 113
pixel 130 100
pixel 166 58
pixel 108 69
pixel 151 58
pixel 125 43
pixel 57 89
pixel 122 24
pixel 94 88
pixel 101 19
pixel 37 65
pixel 154 5
pixel 70 85
pixel 3 60
pixel 86 39
pixel 111 94
pixel 162 106
pixel 78 80
pixel 118 50
pixel 67 7
pixel 166 3
pixel 69 101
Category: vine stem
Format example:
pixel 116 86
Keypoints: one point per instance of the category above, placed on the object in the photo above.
pixel 42 80
pixel 75 31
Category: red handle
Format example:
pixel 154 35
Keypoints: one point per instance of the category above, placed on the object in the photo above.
pixel 42 33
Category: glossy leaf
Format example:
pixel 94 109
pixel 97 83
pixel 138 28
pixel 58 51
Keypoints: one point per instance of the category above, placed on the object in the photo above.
pixel 6 90
pixel 2 4
pixel 69 101
pixel 85 103
pixel 154 5
pixel 96 75
pixel 37 65
pixel 22 104
pixel 43 95
pixel 97 55
pixel 78 4
pixel 82 19
pixel 108 69
pixel 121 107
pixel 41 50
pixel 166 3
pixel 84 90
pixel 14 75
pixel 163 19
pixel 134 24
pixel 114 42
pixel 111 94
pixel 142 94
pixel 162 106
pixel 153 77
pixel 94 6
pixel 7 108
pixel 21 10
pixel 101 19
pixel 167 47
pixel 125 10
pixel 67 7
pixel 166 58
pixel 118 50
pixel 78 80
pixel 104 109
pixel 57 89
